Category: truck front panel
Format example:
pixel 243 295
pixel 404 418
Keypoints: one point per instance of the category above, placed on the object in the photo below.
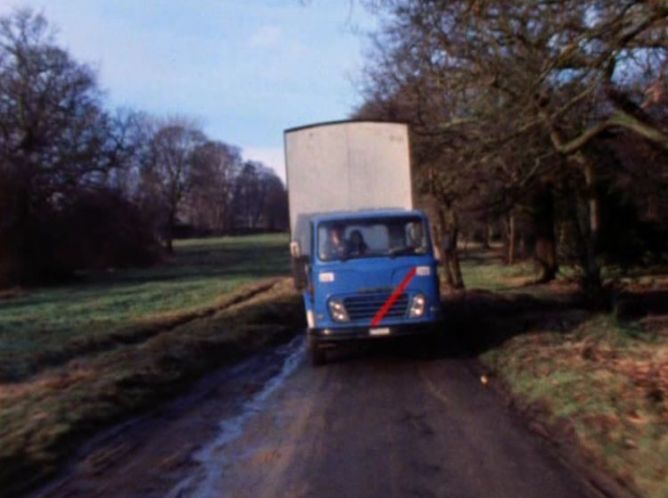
pixel 391 286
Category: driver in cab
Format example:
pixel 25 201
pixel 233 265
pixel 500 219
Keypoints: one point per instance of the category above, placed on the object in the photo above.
pixel 335 245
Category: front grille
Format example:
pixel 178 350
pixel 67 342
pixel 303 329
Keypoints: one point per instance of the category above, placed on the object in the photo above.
pixel 365 306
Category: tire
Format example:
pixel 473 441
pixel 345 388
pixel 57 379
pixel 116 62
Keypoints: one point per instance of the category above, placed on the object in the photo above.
pixel 317 355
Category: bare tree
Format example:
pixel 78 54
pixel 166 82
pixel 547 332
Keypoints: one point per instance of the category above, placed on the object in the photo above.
pixel 254 185
pixel 505 97
pixel 52 134
pixel 216 166
pixel 168 172
pixel 84 187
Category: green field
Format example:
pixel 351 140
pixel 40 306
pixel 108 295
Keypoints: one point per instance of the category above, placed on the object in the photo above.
pixel 485 270
pixel 46 326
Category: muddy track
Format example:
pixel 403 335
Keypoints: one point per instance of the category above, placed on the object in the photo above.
pixel 379 420
pixel 151 454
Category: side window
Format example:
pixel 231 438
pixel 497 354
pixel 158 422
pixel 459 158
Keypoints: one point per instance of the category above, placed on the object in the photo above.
pixel 311 240
pixel 415 236
pixel 322 242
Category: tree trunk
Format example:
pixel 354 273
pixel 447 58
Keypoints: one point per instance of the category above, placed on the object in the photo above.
pixel 446 233
pixel 453 268
pixel 21 264
pixel 487 236
pixel 545 249
pixel 435 214
pixel 169 232
pixel 510 238
pixel 592 270
pixel 447 267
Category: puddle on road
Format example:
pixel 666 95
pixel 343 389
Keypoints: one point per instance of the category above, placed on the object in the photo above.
pixel 211 458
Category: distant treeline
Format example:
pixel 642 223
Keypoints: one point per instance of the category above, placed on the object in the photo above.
pixel 85 187
pixel 542 123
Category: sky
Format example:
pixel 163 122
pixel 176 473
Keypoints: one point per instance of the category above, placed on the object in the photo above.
pixel 245 70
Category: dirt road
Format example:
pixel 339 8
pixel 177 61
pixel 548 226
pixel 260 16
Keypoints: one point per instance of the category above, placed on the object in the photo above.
pixel 391 421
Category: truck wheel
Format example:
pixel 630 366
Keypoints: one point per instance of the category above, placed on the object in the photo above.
pixel 317 355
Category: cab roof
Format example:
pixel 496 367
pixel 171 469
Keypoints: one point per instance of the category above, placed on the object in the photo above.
pixel 365 214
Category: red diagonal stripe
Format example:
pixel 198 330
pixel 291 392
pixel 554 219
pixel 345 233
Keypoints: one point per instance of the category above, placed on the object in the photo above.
pixel 392 299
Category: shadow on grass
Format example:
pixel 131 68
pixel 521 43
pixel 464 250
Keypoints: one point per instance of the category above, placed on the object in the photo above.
pixel 634 305
pixel 478 321
pixel 474 322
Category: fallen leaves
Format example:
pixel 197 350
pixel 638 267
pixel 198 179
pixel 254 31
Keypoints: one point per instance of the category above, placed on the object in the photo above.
pixel 610 386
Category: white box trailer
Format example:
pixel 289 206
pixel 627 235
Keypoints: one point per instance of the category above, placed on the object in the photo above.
pixel 346 166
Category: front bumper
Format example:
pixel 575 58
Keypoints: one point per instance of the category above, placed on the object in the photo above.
pixel 372 333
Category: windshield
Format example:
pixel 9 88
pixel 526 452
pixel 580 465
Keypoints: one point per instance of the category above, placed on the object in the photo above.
pixel 362 238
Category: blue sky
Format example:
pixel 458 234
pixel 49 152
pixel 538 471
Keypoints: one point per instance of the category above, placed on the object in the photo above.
pixel 245 70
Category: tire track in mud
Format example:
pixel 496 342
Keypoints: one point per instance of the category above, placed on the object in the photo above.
pixel 164 449
pixel 389 423
pixel 211 458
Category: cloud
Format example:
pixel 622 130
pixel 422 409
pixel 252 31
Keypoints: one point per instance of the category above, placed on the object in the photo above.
pixel 270 156
pixel 265 36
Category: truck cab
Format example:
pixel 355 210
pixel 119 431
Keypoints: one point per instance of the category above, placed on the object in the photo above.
pixel 365 275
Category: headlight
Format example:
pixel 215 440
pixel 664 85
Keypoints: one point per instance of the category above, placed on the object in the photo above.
pixel 418 305
pixel 338 310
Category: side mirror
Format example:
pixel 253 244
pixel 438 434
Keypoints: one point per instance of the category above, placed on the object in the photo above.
pixel 295 249
pixel 299 266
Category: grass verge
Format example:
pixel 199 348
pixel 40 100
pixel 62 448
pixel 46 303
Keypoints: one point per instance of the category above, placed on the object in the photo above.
pixel 604 385
pixel 585 380
pixel 49 326
pixel 43 419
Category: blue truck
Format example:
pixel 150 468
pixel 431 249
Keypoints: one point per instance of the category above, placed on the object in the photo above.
pixel 361 254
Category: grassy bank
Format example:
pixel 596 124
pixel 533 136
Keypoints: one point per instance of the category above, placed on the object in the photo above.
pixel 594 381
pixel 604 385
pixel 45 327
pixel 44 416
